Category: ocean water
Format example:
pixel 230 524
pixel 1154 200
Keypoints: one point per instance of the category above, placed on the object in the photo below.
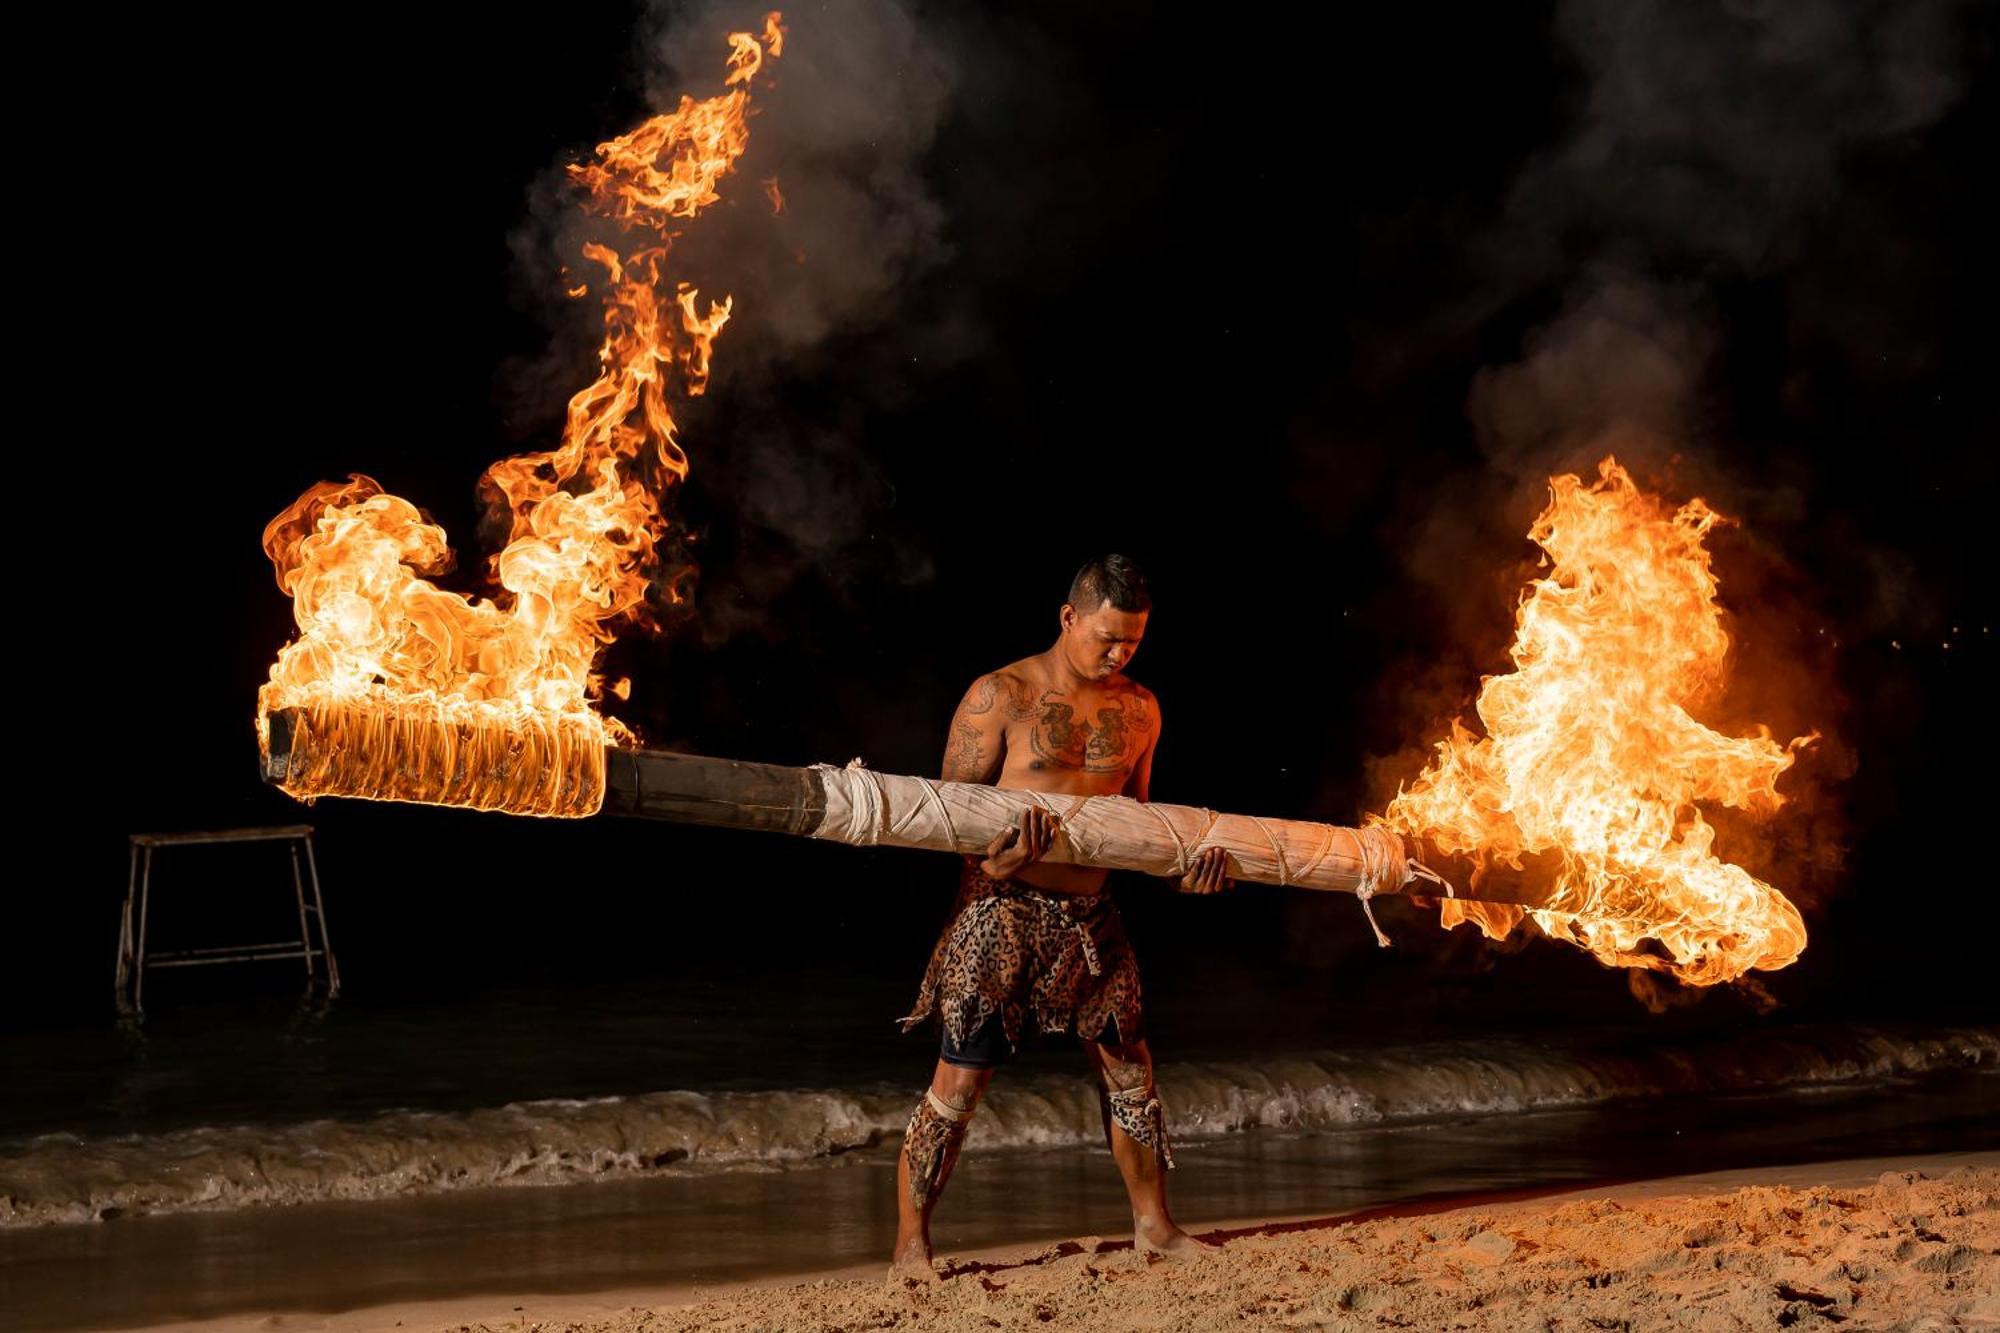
pixel 225 1101
pixel 74 1175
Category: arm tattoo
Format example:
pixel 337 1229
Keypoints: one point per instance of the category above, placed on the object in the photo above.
pixel 966 756
pixel 965 759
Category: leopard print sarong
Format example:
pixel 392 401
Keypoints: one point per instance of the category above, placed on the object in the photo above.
pixel 1014 950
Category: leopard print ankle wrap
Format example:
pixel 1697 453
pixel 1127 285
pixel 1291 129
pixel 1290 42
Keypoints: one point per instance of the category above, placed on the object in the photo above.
pixel 1138 1112
pixel 931 1142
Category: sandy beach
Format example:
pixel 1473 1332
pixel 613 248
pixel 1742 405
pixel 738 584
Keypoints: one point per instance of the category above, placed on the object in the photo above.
pixel 1886 1243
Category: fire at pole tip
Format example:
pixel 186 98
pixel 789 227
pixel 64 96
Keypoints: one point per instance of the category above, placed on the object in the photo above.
pixel 1591 762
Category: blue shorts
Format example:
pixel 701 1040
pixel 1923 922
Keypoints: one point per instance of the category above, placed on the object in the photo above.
pixel 985 1047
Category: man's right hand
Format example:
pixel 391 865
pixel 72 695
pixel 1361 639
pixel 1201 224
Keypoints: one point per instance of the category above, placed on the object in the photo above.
pixel 1209 873
pixel 1027 841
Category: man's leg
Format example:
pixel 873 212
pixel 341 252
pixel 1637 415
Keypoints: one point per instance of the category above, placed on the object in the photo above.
pixel 937 1130
pixel 1136 1127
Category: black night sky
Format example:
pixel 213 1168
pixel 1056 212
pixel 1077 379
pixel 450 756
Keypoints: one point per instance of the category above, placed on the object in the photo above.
pixel 1300 309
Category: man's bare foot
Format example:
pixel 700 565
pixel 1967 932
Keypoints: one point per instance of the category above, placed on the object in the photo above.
pixel 1165 1240
pixel 912 1262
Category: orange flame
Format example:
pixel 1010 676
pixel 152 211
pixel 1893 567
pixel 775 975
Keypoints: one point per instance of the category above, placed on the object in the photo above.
pixel 400 690
pixel 1593 761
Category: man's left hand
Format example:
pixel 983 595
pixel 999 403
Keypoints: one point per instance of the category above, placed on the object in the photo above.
pixel 1209 873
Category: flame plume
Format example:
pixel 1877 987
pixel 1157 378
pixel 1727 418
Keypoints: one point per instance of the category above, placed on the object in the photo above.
pixel 1592 761
pixel 401 690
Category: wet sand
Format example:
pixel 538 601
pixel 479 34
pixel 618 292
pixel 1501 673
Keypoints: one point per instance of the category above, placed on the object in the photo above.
pixel 1883 1243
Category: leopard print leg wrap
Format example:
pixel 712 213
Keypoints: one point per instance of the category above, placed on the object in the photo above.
pixel 1138 1112
pixel 936 1130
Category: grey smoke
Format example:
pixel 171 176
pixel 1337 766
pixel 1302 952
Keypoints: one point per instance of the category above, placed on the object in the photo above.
pixel 1618 370
pixel 1710 141
pixel 1711 128
pixel 1709 136
pixel 843 123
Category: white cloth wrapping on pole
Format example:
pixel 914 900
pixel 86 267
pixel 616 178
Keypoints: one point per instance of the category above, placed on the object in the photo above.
pixel 868 809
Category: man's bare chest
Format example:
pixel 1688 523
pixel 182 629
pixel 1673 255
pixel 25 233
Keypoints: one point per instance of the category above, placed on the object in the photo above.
pixel 1102 735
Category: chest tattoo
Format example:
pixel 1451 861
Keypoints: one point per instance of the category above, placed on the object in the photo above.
pixel 1110 743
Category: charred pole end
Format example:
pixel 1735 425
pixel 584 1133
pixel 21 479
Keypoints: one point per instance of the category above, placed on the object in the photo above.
pixel 721 793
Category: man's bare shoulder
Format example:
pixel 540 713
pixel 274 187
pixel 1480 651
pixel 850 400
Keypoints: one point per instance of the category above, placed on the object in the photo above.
pixel 1011 689
pixel 1138 696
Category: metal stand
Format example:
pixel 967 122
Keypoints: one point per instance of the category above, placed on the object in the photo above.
pixel 133 960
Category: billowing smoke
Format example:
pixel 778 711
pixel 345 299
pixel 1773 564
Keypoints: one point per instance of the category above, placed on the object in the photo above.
pixel 843 126
pixel 1710 147
pixel 1710 131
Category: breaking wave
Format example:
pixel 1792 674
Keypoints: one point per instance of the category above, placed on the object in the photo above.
pixel 67 1178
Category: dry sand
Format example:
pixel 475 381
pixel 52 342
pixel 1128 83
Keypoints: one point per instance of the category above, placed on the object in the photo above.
pixel 1890 1244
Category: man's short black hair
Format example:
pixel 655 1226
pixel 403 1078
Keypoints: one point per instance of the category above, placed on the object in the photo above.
pixel 1110 578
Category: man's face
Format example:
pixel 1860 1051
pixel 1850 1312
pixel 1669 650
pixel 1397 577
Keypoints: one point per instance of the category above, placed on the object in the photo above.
pixel 1099 643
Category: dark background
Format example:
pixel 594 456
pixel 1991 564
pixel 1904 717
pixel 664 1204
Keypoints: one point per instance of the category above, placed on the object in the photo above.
pixel 1300 309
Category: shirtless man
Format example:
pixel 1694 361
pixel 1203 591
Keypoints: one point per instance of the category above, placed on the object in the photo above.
pixel 1040 942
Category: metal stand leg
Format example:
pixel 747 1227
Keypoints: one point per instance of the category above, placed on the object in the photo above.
pixel 139 956
pixel 126 943
pixel 299 892
pixel 319 911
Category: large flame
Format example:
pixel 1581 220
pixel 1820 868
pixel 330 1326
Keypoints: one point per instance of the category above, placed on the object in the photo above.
pixel 401 690
pixel 1593 764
